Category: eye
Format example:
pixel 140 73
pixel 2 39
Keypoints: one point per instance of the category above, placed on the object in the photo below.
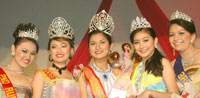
pixel 181 32
pixel 171 34
pixel 53 47
pixel 102 42
pixel 33 53
pixel 136 42
pixel 24 51
pixel 146 40
pixel 64 46
pixel 92 43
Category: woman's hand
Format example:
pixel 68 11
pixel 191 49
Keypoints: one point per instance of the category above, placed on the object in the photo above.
pixel 144 94
pixel 197 95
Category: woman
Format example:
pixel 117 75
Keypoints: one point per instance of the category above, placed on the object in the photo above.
pixel 153 75
pixel 60 49
pixel 14 82
pixel 97 79
pixel 182 34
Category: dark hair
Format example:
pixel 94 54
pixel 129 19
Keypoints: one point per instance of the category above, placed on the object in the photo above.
pixel 189 26
pixel 71 42
pixel 24 27
pixel 153 64
pixel 108 37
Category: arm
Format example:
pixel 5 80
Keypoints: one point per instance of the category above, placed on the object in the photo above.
pixel 170 82
pixel 37 84
pixel 83 87
pixel 169 77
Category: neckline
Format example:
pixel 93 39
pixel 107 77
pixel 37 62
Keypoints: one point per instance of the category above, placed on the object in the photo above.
pixel 190 60
pixel 59 69
pixel 100 71
pixel 12 69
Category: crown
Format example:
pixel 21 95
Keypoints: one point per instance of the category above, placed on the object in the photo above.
pixel 180 15
pixel 139 23
pixel 103 22
pixel 29 33
pixel 60 28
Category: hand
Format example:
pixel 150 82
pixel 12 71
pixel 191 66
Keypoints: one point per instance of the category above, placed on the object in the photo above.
pixel 144 94
pixel 197 95
pixel 132 96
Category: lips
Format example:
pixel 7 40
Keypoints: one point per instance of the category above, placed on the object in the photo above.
pixel 143 51
pixel 177 43
pixel 98 52
pixel 26 61
pixel 59 55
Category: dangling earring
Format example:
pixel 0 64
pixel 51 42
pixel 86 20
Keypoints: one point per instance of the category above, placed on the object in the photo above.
pixel 70 56
pixel 110 51
pixel 13 53
pixel 50 58
pixel 156 46
pixel 174 52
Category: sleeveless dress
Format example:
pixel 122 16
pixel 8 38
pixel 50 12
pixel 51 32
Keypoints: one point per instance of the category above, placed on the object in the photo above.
pixel 22 91
pixel 60 88
pixel 144 81
pixel 107 79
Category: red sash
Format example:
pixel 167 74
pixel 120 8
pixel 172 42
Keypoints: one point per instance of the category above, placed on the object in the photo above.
pixel 7 85
pixel 94 82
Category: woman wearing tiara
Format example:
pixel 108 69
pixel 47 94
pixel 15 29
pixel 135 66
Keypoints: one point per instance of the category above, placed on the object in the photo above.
pixel 97 78
pixel 153 76
pixel 182 35
pixel 57 78
pixel 14 82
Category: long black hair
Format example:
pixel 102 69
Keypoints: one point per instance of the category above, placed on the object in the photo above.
pixel 154 63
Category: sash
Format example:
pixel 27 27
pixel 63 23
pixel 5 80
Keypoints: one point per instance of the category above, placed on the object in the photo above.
pixel 49 76
pixel 7 85
pixel 181 75
pixel 94 82
pixel 184 79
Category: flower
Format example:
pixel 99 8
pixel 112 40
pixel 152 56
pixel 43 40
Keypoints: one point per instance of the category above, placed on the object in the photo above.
pixel 77 71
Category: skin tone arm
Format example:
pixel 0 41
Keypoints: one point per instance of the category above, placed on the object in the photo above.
pixel 37 84
pixel 83 87
pixel 169 79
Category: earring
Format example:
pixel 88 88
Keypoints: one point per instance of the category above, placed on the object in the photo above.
pixel 156 46
pixel 13 53
pixel 110 51
pixel 191 41
pixel 174 52
pixel 70 56
pixel 50 58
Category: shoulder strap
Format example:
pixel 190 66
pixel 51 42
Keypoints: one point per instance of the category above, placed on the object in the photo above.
pixel 7 85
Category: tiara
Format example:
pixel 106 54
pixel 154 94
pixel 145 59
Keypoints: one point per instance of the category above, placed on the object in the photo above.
pixel 180 15
pixel 29 33
pixel 139 23
pixel 103 22
pixel 60 28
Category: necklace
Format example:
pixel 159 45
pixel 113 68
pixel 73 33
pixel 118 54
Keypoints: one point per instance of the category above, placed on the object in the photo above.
pixel 12 69
pixel 59 69
pixel 188 62
pixel 104 74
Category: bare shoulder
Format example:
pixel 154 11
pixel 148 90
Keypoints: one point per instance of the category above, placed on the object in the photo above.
pixel 165 62
pixel 38 76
